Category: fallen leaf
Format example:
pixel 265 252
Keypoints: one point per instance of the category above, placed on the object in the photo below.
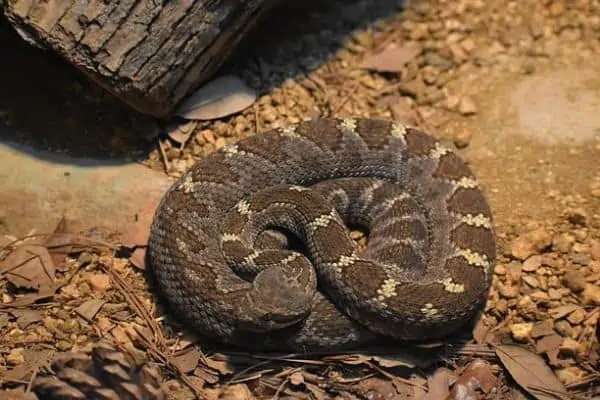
pixel 391 59
pixel 439 384
pixel 59 243
pixel 138 258
pixel 182 132
pixel 207 376
pixel 188 360
pixel 29 266
pixel 90 308
pixel 481 332
pixel 218 98
pixel 543 328
pixel 476 376
pixel 317 392
pixel 219 362
pixel 27 317
pixel 531 373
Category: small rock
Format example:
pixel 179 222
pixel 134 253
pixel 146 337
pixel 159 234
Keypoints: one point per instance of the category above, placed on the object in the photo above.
pixel 509 292
pixel 595 249
pixel 500 269
pixel 540 297
pixel 557 8
pixel 527 308
pixel 580 259
pixel 576 317
pixel 554 294
pixel 530 243
pixel 15 357
pixel 532 263
pixel 564 328
pixel 521 332
pixel 568 347
pixel 64 345
pixel 563 242
pixel 570 374
pixel 100 282
pixel 577 216
pixel 591 294
pixel 462 138
pixel 531 281
pixel 435 60
pixel 574 280
pixel 467 106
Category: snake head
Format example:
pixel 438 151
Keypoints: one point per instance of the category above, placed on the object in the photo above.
pixel 281 296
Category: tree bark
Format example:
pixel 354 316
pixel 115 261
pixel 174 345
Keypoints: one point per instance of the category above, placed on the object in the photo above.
pixel 148 53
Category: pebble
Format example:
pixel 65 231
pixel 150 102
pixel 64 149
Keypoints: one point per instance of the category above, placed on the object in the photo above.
pixel 467 106
pixel 568 347
pixel 532 263
pixel 527 307
pixel 577 216
pixel 576 317
pixel 531 281
pixel 509 292
pixel 591 294
pixel 595 249
pixel 436 60
pixel 570 374
pixel 521 332
pixel 564 328
pixel 563 242
pixel 15 357
pixel 574 280
pixel 462 138
pixel 530 243
pixel 99 282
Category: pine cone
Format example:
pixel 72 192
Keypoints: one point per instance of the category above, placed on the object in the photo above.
pixel 107 374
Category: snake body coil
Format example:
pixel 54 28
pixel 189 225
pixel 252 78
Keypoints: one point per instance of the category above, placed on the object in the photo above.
pixel 222 240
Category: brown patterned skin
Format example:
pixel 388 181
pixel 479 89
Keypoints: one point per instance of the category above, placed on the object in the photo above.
pixel 219 243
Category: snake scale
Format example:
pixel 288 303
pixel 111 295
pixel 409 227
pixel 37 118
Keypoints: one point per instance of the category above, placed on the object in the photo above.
pixel 251 246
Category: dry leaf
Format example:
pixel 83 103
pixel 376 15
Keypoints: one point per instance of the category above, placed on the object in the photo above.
pixel 27 317
pixel 188 361
pixel 219 362
pixel 223 96
pixel 206 376
pixel 59 243
pixel 543 328
pixel 531 373
pixel 391 59
pixel 138 258
pixel 181 133
pixel 29 266
pixel 477 376
pixel 90 308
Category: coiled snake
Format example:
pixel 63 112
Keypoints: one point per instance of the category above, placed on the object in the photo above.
pixel 250 246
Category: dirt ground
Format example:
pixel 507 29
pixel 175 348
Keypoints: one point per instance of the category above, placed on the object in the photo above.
pixel 512 86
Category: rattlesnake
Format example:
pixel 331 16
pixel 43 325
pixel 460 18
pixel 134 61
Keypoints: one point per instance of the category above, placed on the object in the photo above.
pixel 222 240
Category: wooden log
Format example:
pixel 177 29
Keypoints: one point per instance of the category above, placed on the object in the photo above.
pixel 148 53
